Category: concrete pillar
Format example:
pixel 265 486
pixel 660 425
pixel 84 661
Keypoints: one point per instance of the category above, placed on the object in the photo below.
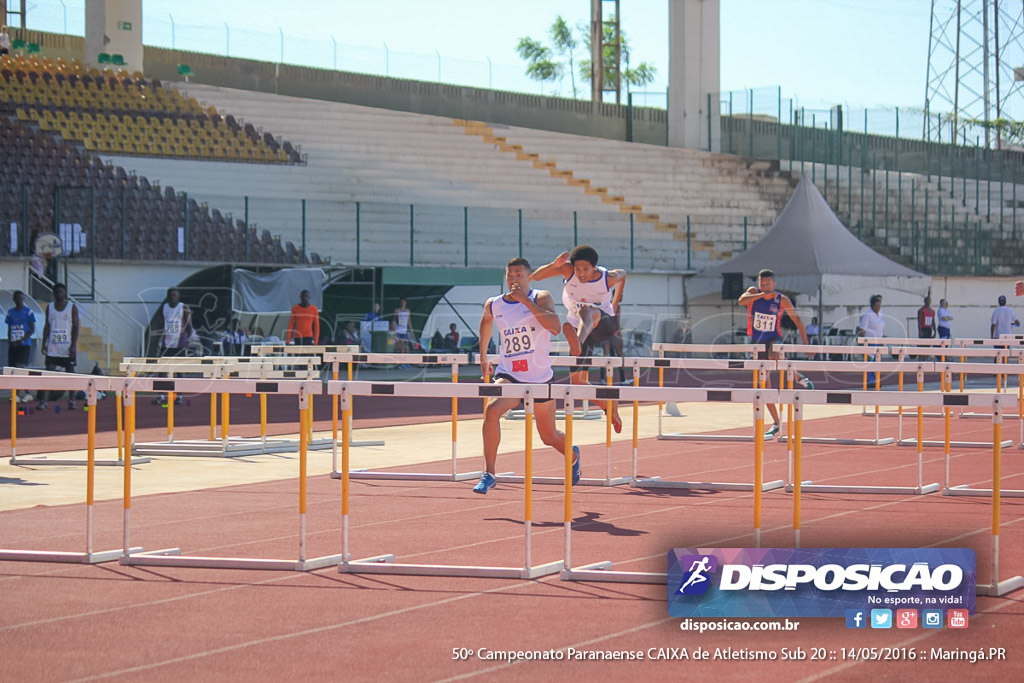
pixel 693 40
pixel 114 27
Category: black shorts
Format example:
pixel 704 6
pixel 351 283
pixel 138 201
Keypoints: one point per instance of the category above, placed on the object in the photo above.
pixel 513 380
pixel 172 351
pixel 18 355
pixel 604 330
pixel 769 345
pixel 54 362
pixel 303 341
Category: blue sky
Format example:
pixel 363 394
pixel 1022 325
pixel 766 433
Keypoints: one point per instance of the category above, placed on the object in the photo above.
pixel 857 52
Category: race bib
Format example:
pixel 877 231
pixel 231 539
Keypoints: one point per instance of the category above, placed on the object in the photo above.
pixel 17 334
pixel 515 344
pixel 172 328
pixel 928 321
pixel 763 322
pixel 60 337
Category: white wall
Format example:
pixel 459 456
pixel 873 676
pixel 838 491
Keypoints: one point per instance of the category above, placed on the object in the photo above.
pixel 104 20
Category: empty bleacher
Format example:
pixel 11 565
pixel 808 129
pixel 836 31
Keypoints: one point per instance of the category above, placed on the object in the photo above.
pixel 115 112
pixel 45 182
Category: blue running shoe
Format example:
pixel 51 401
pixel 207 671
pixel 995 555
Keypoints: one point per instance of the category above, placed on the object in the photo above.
pixel 576 466
pixel 486 483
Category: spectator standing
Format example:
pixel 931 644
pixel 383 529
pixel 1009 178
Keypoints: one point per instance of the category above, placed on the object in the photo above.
pixel 926 321
pixel 1003 319
pixel 175 325
pixel 944 318
pixel 304 325
pixel 60 340
pixel 5 41
pixel 21 325
pixel 451 340
pixel 872 323
pixel 403 324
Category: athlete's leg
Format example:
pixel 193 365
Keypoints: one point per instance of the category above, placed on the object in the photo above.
pixel 544 413
pixel 771 406
pixel 604 329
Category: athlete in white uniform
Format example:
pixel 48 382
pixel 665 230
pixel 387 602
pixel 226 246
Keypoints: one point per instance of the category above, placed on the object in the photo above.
pixel 175 332
pixel 60 340
pixel 591 295
pixel 525 319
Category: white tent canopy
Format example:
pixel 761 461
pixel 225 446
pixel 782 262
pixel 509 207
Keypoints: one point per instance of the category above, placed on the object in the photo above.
pixel 813 253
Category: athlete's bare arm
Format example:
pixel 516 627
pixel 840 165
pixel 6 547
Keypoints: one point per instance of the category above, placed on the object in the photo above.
pixel 617 281
pixel 486 328
pixel 559 267
pixel 787 307
pixel 753 294
pixel 543 310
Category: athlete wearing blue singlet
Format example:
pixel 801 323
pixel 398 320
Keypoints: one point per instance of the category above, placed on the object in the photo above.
pixel 764 317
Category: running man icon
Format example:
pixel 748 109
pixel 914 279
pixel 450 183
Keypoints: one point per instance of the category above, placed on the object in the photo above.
pixel 698 571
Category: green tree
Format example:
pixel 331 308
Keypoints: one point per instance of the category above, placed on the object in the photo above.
pixel 539 64
pixel 565 45
pixel 638 76
pixel 548 64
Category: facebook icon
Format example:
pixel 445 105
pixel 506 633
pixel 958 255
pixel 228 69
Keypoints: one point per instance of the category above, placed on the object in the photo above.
pixel 856 618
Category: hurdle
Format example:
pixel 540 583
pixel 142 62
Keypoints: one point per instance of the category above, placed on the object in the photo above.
pixel 686 395
pixel 173 557
pixel 296 350
pixel 947 370
pixel 853 398
pixel 452 359
pixel 759 368
pixel 602 571
pixel 223 367
pixel 731 349
pixel 902 352
pixel 90 384
pixel 608 363
pixel 385 564
pixel 1014 348
pixel 35 461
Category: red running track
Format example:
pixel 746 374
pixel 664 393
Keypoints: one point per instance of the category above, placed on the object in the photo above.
pixel 130 623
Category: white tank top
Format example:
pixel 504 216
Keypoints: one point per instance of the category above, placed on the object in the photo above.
pixel 523 344
pixel 402 324
pixel 59 343
pixel 173 320
pixel 576 294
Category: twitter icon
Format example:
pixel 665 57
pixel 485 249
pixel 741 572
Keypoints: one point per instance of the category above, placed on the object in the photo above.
pixel 881 618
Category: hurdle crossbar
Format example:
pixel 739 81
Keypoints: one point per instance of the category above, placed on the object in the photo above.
pixel 296 350
pixel 173 557
pixel 578 363
pixel 385 564
pixel 452 359
pixel 90 384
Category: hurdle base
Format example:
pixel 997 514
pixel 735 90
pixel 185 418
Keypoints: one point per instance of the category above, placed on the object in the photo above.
pixel 1002 588
pixel 560 481
pixel 884 441
pixel 74 461
pixel 520 414
pixel 364 444
pixel 409 476
pixel 966 491
pixel 385 564
pixel 172 557
pixel 704 437
pixel 658 483
pixel 602 571
pixel 790 487
pixel 56 556
pixel 891 490
pixel 954 444
pixel 890 413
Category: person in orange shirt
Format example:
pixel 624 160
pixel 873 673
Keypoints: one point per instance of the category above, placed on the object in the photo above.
pixel 304 326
